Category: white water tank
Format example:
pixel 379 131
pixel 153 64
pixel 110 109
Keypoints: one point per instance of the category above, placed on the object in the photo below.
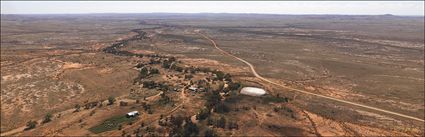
pixel 253 91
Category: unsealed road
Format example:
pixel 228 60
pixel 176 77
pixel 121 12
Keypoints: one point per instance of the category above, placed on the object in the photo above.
pixel 303 91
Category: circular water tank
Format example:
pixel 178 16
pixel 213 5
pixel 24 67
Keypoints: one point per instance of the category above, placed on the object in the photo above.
pixel 253 91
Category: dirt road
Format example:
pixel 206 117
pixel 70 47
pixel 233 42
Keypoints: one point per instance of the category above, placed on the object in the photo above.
pixel 303 91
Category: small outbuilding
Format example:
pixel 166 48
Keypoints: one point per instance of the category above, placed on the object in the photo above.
pixel 193 88
pixel 253 91
pixel 132 114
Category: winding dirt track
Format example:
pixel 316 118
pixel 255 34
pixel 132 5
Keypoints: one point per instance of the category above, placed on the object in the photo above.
pixel 303 91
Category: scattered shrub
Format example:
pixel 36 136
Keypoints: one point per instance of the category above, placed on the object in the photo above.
pixel 77 108
pixel 47 118
pixel 210 133
pixel 203 114
pixel 221 123
pixel 221 108
pixel 31 124
pixel 111 100
pixel 123 103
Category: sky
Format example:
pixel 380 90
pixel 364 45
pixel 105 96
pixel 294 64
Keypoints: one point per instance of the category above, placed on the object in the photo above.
pixel 267 7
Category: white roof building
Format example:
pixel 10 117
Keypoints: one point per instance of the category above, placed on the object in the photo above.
pixel 193 88
pixel 253 91
pixel 132 113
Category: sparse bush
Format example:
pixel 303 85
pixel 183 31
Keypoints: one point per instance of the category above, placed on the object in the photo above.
pixel 210 133
pixel 154 61
pixel 190 129
pixel 166 64
pixel 227 77
pixel 111 100
pixel 210 121
pixel 77 108
pixel 123 103
pixel 212 98
pixel 178 68
pixel 154 71
pixel 221 123
pixel 144 72
pixel 164 99
pixel 233 125
pixel 203 114
pixel 31 124
pixel 172 59
pixel 149 84
pixel 234 85
pixel 47 118
pixel 140 65
pixel 92 113
pixel 219 75
pixel 274 99
pixel 176 121
pixel 188 76
pixel 221 108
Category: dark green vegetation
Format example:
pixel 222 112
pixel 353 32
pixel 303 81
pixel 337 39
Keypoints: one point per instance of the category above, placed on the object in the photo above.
pixel 31 124
pixel 47 118
pixel 111 100
pixel 111 124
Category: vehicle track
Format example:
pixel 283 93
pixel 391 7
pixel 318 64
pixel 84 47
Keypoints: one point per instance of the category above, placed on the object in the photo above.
pixel 303 91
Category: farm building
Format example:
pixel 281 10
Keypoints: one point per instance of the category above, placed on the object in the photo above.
pixel 132 114
pixel 193 88
pixel 253 91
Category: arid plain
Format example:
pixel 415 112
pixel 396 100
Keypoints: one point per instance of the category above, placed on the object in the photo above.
pixel 85 72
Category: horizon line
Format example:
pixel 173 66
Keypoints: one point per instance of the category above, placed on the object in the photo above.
pixel 318 14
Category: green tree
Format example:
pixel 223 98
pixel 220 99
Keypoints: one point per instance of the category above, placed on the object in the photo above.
pixel 172 59
pixel 178 68
pixel 221 108
pixel 188 76
pixel 144 72
pixel 210 121
pixel 177 121
pixel 166 64
pixel 221 123
pixel 220 87
pixel 210 133
pixel 213 98
pixel 227 77
pixel 111 100
pixel 47 118
pixel 219 74
pixel 203 114
pixel 140 65
pixel 77 107
pixel 164 99
pixel 149 84
pixel 154 71
pixel 234 85
pixel 190 129
pixel 31 124
pixel 232 125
